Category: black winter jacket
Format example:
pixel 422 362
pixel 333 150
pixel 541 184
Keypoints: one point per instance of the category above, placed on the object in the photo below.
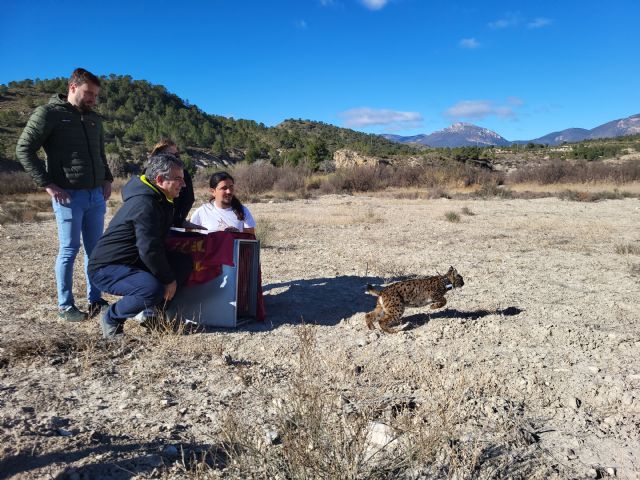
pixel 137 232
pixel 73 142
pixel 183 203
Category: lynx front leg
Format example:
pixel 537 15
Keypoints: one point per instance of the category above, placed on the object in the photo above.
pixel 438 302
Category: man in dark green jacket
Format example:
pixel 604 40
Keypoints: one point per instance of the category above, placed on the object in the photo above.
pixel 76 176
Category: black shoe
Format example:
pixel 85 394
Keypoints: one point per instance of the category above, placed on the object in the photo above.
pixel 111 328
pixel 72 314
pixel 96 307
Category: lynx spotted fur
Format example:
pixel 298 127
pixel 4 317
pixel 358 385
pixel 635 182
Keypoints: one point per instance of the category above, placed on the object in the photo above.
pixel 393 299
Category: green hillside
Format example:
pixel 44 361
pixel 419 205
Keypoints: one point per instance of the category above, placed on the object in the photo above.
pixel 137 113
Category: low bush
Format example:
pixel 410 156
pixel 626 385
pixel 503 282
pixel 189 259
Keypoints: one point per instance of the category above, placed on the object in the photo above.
pixel 12 183
pixel 452 217
pixel 254 178
pixel 559 171
pixel 23 211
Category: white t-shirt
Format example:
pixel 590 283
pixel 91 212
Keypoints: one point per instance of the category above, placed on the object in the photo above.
pixel 219 219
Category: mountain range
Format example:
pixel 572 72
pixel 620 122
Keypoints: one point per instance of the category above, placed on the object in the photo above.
pixel 466 135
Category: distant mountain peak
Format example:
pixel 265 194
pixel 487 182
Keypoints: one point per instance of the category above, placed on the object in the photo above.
pixel 463 134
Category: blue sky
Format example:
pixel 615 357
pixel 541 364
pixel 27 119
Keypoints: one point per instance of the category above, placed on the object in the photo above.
pixel 520 68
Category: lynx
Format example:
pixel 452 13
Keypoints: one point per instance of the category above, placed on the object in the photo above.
pixel 393 299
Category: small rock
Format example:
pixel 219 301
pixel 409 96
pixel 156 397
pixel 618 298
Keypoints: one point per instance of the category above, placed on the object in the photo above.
pixel 627 398
pixel 592 473
pixel 64 433
pixel 611 471
pixel 271 436
pixel 182 411
pixel 170 451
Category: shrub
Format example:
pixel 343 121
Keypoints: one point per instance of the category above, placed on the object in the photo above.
pixel 291 179
pixel 18 212
pixel 364 178
pixel 467 211
pixel 578 196
pixel 492 190
pixel 16 182
pixel 253 179
pixel 452 217
pixel 580 172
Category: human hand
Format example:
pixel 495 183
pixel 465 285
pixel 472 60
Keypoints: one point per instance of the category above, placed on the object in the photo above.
pixel 106 190
pixel 58 194
pixel 187 224
pixel 170 290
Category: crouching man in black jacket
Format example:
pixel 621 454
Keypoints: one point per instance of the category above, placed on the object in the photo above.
pixel 130 259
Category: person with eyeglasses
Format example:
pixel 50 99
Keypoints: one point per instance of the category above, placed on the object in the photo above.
pixel 131 260
pixel 181 205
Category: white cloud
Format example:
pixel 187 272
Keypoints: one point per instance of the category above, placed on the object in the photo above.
pixel 301 24
pixel 539 22
pixel 367 117
pixel 374 4
pixel 326 3
pixel 515 101
pixel 479 109
pixel 509 20
pixel 470 43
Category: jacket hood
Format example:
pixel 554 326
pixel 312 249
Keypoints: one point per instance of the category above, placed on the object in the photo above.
pixel 136 187
pixel 58 99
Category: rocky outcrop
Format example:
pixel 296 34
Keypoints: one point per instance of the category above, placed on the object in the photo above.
pixel 345 158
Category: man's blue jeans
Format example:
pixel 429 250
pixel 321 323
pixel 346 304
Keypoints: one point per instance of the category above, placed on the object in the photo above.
pixel 82 217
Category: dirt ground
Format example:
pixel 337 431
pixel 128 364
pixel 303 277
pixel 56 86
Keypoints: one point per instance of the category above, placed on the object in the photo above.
pixel 549 315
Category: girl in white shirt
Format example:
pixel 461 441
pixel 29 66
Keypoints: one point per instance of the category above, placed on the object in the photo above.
pixel 224 212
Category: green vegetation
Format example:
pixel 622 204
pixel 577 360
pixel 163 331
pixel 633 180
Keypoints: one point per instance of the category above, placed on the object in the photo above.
pixel 137 113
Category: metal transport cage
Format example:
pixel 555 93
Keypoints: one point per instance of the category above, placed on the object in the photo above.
pixel 230 299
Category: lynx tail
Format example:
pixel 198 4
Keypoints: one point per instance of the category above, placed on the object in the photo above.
pixel 372 291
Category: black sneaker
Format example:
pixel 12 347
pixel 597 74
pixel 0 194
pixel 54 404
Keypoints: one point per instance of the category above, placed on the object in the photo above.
pixel 111 328
pixel 96 307
pixel 72 314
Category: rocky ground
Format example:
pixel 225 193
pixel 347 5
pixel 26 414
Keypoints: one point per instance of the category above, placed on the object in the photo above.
pixel 532 369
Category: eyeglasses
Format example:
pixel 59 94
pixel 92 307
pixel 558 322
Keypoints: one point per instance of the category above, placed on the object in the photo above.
pixel 175 179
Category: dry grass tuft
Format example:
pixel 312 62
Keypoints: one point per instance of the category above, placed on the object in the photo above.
pixel 627 249
pixel 452 217
pixel 467 211
pixel 581 196
pixel 447 427
pixel 24 211
pixel 57 346
pixel 264 232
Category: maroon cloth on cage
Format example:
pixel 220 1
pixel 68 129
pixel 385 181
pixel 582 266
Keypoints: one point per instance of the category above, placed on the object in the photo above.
pixel 209 253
